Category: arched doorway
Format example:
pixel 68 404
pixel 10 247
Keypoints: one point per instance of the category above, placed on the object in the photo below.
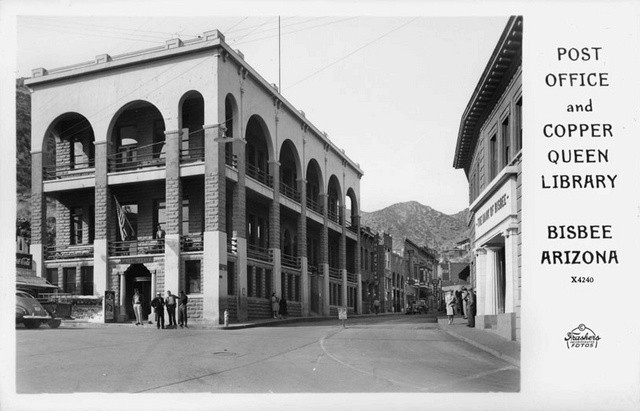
pixel 137 276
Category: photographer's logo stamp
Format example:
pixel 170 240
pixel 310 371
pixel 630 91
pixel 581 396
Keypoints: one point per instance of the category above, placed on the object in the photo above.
pixel 582 337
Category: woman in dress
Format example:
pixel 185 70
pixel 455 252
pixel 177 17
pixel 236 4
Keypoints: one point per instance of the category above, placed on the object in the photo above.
pixel 274 305
pixel 450 303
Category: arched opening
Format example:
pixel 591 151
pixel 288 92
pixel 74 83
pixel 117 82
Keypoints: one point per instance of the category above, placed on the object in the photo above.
pixel 230 122
pixel 257 151
pixel 137 137
pixel 68 147
pixel 334 200
pixel 192 118
pixel 137 276
pixel 314 186
pixel 351 209
pixel 289 170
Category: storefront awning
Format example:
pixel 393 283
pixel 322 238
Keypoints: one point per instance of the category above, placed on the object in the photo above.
pixel 32 281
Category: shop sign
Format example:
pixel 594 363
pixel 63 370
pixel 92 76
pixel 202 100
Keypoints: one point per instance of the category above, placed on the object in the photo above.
pixel 23 260
pixel 498 207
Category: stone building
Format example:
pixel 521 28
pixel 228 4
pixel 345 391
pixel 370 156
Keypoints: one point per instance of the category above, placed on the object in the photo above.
pixel 422 273
pixel 368 267
pixel 489 149
pixel 181 168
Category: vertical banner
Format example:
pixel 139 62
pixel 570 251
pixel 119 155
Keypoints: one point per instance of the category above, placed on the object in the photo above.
pixel 580 334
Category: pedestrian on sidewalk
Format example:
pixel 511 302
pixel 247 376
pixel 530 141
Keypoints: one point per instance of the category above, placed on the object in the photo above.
pixel 465 298
pixel 376 306
pixel 158 307
pixel 471 308
pixel 450 302
pixel 182 310
pixel 459 302
pixel 137 306
pixel 275 306
pixel 171 302
pixel 282 310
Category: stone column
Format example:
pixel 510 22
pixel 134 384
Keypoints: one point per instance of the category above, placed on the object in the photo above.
pixel 324 256
pixel 302 248
pixel 123 310
pixel 102 214
pixel 511 269
pixel 215 231
pixel 480 285
pixel 240 227
pixel 358 266
pixel 152 315
pixel 38 214
pixel 173 211
pixel 342 254
pixel 490 283
pixel 274 229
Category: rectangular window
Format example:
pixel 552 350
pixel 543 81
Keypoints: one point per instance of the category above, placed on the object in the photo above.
pixel 493 156
pixel 259 282
pixel 185 216
pixel 518 139
pixel 77 232
pixel 69 280
pixel 127 144
pixel 249 281
pixel 86 280
pixel 231 278
pixel 193 277
pixel 290 293
pixel 52 276
pixel 267 283
pixel 77 153
pixel 506 142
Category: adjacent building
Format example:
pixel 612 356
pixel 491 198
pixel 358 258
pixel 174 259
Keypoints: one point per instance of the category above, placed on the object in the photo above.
pixel 489 150
pixel 422 274
pixel 181 168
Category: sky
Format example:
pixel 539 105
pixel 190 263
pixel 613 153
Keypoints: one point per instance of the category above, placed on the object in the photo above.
pixel 390 91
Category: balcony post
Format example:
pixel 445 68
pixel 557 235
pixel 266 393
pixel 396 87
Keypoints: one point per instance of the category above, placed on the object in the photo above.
pixel 342 254
pixel 324 255
pixel 173 212
pixel 38 214
pixel 239 229
pixel 302 248
pixel 358 258
pixel 274 229
pixel 103 208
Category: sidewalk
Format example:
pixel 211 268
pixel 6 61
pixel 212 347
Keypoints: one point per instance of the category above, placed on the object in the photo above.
pixel 485 340
pixel 200 325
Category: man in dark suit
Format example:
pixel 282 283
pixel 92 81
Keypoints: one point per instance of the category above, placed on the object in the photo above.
pixel 158 307
pixel 471 308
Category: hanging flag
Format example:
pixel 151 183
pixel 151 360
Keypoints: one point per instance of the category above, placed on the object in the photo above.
pixel 126 229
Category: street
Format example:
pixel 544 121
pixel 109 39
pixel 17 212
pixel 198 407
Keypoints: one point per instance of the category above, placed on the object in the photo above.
pixel 376 354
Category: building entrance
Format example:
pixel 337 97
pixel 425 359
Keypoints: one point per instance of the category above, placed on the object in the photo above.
pixel 137 276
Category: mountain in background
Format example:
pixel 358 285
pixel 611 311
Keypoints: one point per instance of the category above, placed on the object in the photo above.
pixel 419 223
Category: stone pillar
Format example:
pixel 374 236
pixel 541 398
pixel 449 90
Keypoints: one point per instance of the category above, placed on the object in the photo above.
pixel 274 229
pixel 240 228
pixel 215 231
pixel 358 265
pixel 511 269
pixel 342 255
pixel 324 255
pixel 123 310
pixel 173 212
pixel 481 274
pixel 490 283
pixel 154 278
pixel 103 208
pixel 38 214
pixel 302 249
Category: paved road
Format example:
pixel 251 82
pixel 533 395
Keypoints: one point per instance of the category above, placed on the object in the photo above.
pixel 380 354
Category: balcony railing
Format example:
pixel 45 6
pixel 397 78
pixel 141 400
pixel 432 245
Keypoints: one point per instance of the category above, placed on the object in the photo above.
pixel 69 170
pixel 259 175
pixel 351 226
pixel 191 154
pixel 312 269
pixel 259 253
pixel 136 247
pixel 192 242
pixel 231 159
pixel 133 160
pixel 333 216
pixel 68 252
pixel 290 192
pixel 290 261
pixel 352 278
pixel 334 273
pixel 313 205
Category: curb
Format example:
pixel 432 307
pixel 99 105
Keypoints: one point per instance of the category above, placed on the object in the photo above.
pixel 495 353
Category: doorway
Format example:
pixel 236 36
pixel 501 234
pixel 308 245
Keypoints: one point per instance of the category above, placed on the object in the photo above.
pixel 137 276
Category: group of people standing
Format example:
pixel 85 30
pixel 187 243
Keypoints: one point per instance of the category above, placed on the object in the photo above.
pixel 462 303
pixel 159 304
pixel 278 307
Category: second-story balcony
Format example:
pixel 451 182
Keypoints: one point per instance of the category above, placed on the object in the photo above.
pixel 68 252
pixel 352 278
pixel 351 226
pixel 136 247
pixel 191 155
pixel 333 216
pixel 231 160
pixel 192 242
pixel 314 205
pixel 259 175
pixel 259 253
pixel 134 159
pixel 290 192
pixel 290 261
pixel 69 170
pixel 334 273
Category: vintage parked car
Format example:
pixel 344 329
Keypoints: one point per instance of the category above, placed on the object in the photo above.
pixel 31 313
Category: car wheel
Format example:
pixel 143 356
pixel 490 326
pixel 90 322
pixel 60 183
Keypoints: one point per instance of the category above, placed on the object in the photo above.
pixel 31 324
pixel 54 323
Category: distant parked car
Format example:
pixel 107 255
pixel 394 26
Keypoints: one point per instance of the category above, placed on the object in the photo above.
pixel 31 313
